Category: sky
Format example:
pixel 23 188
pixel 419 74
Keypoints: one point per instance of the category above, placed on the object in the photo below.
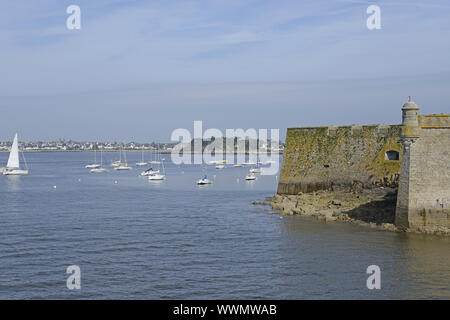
pixel 137 70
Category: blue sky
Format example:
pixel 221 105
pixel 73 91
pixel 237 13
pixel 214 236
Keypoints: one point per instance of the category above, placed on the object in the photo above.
pixel 139 69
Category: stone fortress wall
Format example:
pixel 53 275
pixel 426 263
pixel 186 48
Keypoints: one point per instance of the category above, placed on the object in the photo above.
pixel 340 157
pixel 413 157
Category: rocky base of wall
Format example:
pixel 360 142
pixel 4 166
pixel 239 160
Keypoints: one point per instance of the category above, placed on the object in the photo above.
pixel 373 208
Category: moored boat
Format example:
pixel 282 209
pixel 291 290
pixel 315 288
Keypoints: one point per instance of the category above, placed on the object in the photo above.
pixel 13 165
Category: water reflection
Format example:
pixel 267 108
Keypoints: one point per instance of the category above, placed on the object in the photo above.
pixel 413 266
pixel 427 263
pixel 13 183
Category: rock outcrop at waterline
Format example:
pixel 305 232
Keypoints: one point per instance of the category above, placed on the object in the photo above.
pixel 373 207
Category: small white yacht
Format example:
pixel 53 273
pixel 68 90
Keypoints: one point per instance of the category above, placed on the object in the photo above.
pixel 255 169
pixel 220 166
pixel 157 158
pixel 142 163
pixel 157 175
pixel 203 181
pixel 250 176
pixel 99 169
pixel 149 172
pixel 95 164
pixel 13 165
pixel 118 163
pixel 123 165
pixel 92 166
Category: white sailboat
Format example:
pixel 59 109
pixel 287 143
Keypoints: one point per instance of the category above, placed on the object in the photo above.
pixel 257 168
pixel 157 157
pixel 158 176
pixel 100 169
pixel 117 163
pixel 142 162
pixel 123 165
pixel 13 165
pixel 95 164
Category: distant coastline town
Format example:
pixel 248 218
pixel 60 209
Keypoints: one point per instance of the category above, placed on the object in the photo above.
pixel 63 145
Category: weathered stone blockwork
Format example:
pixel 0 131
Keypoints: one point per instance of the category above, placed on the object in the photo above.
pixel 327 157
pixel 413 157
pixel 423 201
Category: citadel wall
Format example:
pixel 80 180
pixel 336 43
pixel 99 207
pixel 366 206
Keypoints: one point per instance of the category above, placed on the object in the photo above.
pixel 318 158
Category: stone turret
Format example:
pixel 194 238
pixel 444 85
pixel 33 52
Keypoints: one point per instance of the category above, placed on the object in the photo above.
pixel 410 119
pixel 423 189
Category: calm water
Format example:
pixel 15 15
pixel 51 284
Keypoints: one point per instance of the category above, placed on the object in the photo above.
pixel 175 240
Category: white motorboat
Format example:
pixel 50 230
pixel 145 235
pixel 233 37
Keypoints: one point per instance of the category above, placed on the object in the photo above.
pixel 203 181
pixel 13 165
pixel 250 176
pixel 220 166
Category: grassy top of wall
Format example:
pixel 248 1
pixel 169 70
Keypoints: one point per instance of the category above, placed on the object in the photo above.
pixel 434 121
pixel 323 157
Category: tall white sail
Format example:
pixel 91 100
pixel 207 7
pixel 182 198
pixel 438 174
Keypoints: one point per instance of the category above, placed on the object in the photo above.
pixel 13 160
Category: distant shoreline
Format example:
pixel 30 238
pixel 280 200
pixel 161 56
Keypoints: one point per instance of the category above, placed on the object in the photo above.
pixel 160 151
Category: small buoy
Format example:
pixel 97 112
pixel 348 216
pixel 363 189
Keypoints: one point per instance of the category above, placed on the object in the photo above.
pixel 281 217
pixel 115 181
pixel 54 187
pixel 79 179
